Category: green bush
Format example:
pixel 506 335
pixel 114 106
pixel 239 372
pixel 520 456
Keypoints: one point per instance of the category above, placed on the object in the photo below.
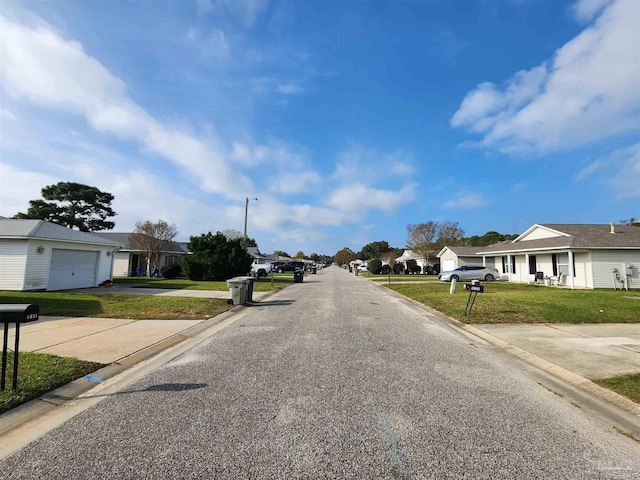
pixel 398 268
pixel 413 267
pixel 171 271
pixel 374 266
pixel 216 258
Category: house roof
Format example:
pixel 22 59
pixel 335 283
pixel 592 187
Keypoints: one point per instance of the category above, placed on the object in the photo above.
pixel 25 229
pixel 461 251
pixel 572 236
pixel 125 239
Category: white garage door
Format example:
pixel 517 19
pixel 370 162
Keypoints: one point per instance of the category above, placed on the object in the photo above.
pixel 448 265
pixel 72 269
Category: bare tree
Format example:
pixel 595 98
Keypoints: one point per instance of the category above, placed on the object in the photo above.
pixel 389 257
pixel 422 238
pixel 449 233
pixel 151 238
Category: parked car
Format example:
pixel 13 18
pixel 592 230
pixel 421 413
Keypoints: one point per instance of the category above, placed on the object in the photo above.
pixel 290 267
pixel 363 268
pixel 470 272
pixel 260 269
pixel 276 264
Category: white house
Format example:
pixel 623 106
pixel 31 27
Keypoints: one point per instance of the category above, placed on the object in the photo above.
pixel 578 255
pixel 39 255
pixel 129 261
pixel 454 257
pixel 411 255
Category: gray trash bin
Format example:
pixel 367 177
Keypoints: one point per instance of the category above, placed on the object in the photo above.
pixel 250 281
pixel 238 289
pixel 298 276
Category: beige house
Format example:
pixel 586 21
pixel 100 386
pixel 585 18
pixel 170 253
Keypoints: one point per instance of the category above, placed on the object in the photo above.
pixel 454 257
pixel 573 255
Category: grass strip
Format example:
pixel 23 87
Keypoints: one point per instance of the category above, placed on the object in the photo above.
pixel 519 303
pixel 627 385
pixel 39 373
pixel 138 307
pixel 260 285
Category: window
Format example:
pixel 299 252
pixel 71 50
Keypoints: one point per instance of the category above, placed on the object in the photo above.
pixel 563 263
pixel 171 259
pixel 509 264
pixel 532 264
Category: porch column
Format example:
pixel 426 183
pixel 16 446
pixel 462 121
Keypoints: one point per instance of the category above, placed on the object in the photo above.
pixel 526 265
pixel 571 272
pixel 484 261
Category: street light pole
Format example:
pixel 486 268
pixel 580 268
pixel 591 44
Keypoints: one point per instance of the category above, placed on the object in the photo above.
pixel 246 211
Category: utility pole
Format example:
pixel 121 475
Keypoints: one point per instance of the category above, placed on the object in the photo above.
pixel 246 211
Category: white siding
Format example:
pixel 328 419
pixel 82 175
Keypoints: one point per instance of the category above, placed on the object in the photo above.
pixel 448 261
pixel 121 264
pixel 13 261
pixel 604 261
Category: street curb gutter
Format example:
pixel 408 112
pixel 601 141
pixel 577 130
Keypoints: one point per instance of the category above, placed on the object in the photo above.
pixel 563 374
pixel 49 401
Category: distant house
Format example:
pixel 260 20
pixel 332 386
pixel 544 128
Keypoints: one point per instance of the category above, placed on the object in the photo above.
pixel 40 255
pixel 130 262
pixel 420 260
pixel 454 257
pixel 575 255
pixel 259 257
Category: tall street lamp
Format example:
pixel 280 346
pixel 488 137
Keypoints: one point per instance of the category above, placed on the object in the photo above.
pixel 246 210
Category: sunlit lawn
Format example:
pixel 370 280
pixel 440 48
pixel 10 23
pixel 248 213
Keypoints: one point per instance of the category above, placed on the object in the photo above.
pixel 119 306
pixel 627 385
pixel 517 303
pixel 39 373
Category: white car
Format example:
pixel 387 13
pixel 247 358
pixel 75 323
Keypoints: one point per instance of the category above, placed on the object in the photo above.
pixel 260 269
pixel 363 268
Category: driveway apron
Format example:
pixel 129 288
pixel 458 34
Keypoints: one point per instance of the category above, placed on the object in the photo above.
pixel 331 378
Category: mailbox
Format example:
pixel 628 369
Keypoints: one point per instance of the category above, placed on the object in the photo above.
pixel 19 313
pixel 14 313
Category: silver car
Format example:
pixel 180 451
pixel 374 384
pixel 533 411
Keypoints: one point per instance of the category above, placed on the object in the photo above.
pixel 470 272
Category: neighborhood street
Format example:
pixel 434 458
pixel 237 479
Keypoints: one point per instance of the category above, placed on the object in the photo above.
pixel 331 378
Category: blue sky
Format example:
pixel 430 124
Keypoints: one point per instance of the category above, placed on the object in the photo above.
pixel 348 120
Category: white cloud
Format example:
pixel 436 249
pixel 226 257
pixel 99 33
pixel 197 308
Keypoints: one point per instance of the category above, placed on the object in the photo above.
pixel 41 66
pixel 7 114
pixel 360 163
pixel 469 200
pixel 589 91
pixel 294 182
pixel 585 10
pixel 358 199
pixel 19 186
pixel 588 170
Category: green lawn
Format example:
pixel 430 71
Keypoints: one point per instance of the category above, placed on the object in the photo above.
pixel 107 305
pixel 260 285
pixel 39 373
pixel 400 278
pixel 517 303
pixel 627 385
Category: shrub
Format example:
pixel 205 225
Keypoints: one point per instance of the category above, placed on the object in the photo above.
pixel 385 269
pixel 413 267
pixel 398 268
pixel 374 266
pixel 171 271
pixel 216 258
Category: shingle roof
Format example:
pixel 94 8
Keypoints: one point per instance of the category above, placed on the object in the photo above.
pixel 125 239
pixel 463 251
pixel 579 236
pixel 17 228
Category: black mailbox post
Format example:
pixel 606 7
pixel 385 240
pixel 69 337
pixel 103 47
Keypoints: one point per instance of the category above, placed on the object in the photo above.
pixel 15 313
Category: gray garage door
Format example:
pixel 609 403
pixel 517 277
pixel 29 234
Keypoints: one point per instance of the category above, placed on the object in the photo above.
pixel 72 269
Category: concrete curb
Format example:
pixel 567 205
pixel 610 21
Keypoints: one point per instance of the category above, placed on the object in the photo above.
pixel 557 371
pixel 49 401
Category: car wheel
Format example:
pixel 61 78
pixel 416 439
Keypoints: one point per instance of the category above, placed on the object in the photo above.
pixel 455 277
pixel 489 278
pixel 262 273
pixel 279 270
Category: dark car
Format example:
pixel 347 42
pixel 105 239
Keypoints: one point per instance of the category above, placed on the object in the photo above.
pixel 275 265
pixel 290 267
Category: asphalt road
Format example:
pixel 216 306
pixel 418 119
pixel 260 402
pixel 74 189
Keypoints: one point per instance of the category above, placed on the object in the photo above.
pixel 331 378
